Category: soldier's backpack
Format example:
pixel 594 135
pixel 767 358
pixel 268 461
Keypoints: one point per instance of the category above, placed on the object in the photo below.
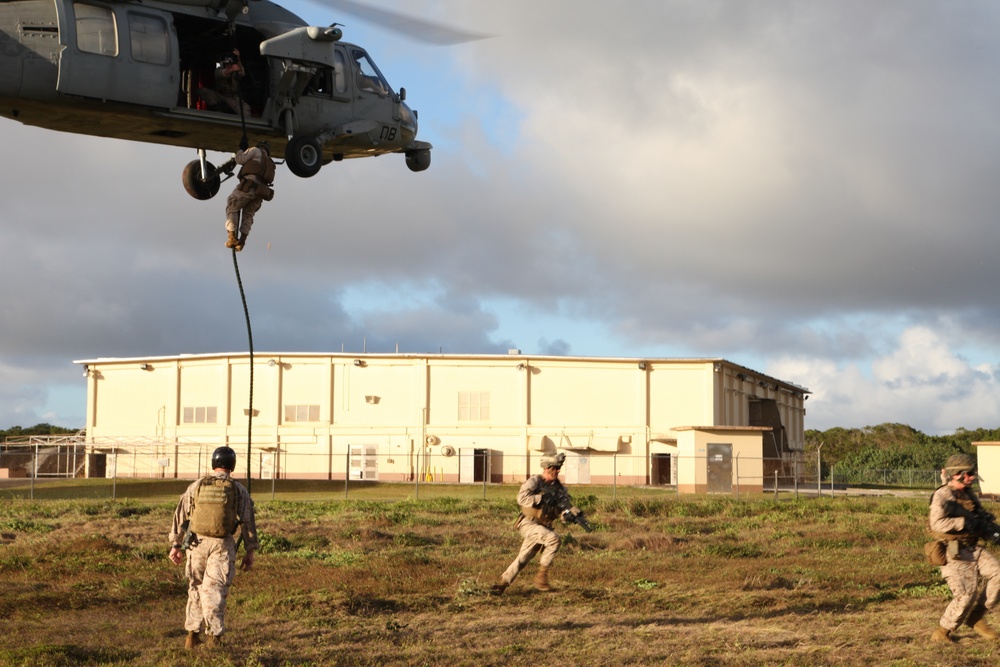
pixel 214 512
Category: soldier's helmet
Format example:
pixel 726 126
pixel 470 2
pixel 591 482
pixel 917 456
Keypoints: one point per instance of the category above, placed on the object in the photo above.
pixel 553 461
pixel 264 146
pixel 958 463
pixel 224 457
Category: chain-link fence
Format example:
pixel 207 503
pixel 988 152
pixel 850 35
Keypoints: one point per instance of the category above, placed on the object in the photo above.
pixel 123 468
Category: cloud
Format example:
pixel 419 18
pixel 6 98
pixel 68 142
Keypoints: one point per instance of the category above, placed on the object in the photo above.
pixel 920 382
pixel 760 181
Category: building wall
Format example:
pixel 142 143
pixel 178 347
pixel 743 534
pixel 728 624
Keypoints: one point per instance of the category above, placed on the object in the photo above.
pixel 988 460
pixel 395 417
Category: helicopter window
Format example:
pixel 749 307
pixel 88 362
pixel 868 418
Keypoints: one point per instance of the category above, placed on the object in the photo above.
pixel 148 35
pixel 369 78
pixel 95 30
pixel 339 62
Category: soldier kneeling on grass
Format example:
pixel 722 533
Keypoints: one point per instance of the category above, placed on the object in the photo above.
pixel 955 523
pixel 208 514
pixel 539 499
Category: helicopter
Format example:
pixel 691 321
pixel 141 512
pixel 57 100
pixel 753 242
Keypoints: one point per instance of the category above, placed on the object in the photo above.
pixel 152 71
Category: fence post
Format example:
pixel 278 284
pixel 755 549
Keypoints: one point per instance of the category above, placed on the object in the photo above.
pixel 775 484
pixel 347 469
pixel 819 471
pixel 614 477
pixel 34 470
pixel 486 469
pixel 738 477
pixel 416 492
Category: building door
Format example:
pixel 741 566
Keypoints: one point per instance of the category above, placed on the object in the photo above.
pixel 364 462
pixel 720 468
pixel 576 469
pixel 472 464
pixel 661 469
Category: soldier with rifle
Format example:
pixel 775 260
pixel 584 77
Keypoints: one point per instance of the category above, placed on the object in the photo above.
pixel 207 516
pixel 957 522
pixel 542 499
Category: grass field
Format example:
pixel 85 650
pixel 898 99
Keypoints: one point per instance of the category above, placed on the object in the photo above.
pixel 662 580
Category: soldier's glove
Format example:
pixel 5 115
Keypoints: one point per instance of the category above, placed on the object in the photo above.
pixel 244 143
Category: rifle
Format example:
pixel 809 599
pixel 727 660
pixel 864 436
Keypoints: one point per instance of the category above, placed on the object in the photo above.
pixel 190 539
pixel 976 521
pixel 563 505
pixel 986 524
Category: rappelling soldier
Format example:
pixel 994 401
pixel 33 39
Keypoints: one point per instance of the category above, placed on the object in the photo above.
pixel 256 176
pixel 207 516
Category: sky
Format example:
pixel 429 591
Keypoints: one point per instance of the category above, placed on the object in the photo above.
pixel 803 187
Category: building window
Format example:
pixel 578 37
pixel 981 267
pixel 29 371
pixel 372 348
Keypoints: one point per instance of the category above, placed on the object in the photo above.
pixel 301 413
pixel 473 406
pixel 200 415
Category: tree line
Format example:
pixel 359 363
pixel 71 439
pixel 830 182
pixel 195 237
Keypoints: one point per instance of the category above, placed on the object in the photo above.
pixel 37 429
pixel 891 446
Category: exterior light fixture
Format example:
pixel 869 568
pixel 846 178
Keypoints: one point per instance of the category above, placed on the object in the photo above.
pixel 642 365
pixel 145 367
pixel 359 363
pixel 272 363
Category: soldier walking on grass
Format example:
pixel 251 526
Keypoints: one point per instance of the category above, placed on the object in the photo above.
pixel 540 499
pixel 956 520
pixel 207 516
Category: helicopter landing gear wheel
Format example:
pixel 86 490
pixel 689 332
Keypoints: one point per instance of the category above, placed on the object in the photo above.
pixel 197 188
pixel 304 156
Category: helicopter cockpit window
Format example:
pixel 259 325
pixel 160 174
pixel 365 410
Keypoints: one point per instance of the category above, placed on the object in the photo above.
pixel 149 40
pixel 369 78
pixel 95 30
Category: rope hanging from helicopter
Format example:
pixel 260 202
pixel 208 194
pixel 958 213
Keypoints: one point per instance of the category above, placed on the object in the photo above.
pixel 236 265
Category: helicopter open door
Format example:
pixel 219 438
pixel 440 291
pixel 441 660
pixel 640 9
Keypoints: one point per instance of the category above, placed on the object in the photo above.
pixel 120 52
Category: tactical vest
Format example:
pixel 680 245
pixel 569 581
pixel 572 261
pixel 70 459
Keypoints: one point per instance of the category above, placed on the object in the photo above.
pixel 264 168
pixel 214 512
pixel 967 539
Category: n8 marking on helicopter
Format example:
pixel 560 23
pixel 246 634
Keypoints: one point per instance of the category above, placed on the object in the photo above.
pixel 148 71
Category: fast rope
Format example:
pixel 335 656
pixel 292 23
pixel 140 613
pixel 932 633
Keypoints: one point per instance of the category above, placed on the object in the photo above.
pixel 246 314
pixel 239 281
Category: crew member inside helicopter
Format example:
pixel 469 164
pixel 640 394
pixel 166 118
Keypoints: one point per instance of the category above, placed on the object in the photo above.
pixel 368 77
pixel 225 96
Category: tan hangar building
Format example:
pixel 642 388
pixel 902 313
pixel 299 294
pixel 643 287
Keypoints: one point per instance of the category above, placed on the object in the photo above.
pixel 704 425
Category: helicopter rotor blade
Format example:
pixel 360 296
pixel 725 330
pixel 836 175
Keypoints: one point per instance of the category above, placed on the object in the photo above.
pixel 406 24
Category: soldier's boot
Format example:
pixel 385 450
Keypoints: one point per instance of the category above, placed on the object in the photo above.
pixel 231 240
pixel 242 241
pixel 983 629
pixel 942 635
pixel 542 579
pixel 499 587
pixel 192 640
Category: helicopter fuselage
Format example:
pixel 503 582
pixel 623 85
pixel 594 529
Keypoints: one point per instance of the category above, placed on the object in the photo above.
pixel 150 71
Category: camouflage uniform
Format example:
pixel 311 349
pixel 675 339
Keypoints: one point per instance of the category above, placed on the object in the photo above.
pixel 211 563
pixel 535 525
pixel 966 560
pixel 245 200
